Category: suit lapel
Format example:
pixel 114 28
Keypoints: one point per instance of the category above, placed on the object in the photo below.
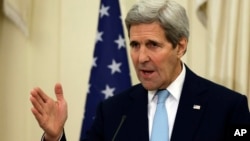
pixel 190 110
pixel 137 115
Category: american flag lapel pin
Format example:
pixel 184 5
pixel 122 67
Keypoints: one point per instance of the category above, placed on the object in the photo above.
pixel 197 107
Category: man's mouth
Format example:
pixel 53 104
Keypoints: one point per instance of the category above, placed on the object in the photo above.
pixel 146 73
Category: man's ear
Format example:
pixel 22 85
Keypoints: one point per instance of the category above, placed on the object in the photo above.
pixel 182 47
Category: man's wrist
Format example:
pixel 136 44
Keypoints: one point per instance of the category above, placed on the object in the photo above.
pixel 45 137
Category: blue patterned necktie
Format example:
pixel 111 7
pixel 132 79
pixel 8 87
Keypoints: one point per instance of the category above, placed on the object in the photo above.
pixel 160 123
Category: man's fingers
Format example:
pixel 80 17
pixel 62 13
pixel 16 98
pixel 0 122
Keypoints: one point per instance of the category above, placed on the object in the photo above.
pixel 37 102
pixel 37 110
pixel 37 115
pixel 36 98
pixel 59 92
pixel 40 92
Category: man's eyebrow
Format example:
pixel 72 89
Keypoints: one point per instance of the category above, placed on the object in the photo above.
pixel 133 42
pixel 152 41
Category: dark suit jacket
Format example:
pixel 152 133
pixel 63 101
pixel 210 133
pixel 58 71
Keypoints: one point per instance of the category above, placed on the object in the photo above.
pixel 219 108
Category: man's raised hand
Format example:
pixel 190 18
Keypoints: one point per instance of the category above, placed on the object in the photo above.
pixel 51 115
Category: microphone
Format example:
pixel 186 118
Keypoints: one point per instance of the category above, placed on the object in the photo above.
pixel 119 127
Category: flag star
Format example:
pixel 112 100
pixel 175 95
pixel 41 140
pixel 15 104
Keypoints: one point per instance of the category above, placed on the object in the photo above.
pixel 108 92
pixel 98 36
pixel 115 67
pixel 104 11
pixel 94 62
pixel 120 41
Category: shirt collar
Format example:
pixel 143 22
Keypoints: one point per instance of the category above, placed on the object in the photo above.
pixel 174 88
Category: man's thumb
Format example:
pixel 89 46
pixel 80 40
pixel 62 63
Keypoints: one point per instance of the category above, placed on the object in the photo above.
pixel 59 92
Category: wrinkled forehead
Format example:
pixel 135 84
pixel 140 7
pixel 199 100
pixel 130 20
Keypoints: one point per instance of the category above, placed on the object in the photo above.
pixel 145 27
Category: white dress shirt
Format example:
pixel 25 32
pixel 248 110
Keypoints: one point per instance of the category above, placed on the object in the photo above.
pixel 171 103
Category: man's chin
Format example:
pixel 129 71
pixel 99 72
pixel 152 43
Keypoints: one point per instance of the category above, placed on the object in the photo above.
pixel 149 86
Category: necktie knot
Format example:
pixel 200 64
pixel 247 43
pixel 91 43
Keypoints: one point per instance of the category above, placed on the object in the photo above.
pixel 162 96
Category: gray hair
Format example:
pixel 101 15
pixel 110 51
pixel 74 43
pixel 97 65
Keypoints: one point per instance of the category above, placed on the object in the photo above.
pixel 169 14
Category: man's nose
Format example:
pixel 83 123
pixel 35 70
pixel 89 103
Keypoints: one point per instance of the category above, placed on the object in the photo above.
pixel 143 55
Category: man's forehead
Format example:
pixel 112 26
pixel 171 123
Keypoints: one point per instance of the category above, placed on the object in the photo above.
pixel 146 31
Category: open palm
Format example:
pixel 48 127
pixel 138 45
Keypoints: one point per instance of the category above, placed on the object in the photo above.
pixel 51 115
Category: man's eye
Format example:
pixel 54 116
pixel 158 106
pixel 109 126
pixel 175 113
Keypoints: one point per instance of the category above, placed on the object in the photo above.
pixel 152 44
pixel 134 45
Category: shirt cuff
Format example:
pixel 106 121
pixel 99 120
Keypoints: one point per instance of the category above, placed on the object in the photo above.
pixel 43 137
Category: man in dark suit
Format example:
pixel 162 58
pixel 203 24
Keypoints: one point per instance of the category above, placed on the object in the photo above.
pixel 197 109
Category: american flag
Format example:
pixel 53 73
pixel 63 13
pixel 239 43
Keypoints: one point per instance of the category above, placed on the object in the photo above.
pixel 110 70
